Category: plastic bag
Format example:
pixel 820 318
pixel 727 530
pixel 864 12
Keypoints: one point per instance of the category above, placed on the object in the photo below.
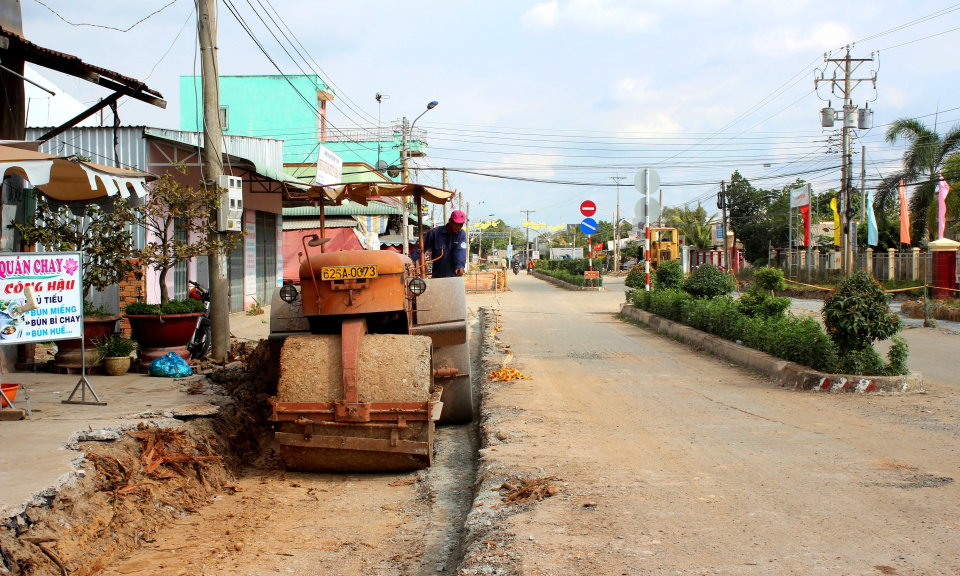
pixel 172 365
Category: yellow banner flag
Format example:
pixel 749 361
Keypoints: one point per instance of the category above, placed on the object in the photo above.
pixel 836 222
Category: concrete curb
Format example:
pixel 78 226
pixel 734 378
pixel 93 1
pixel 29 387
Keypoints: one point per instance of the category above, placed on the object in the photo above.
pixel 788 374
pixel 566 285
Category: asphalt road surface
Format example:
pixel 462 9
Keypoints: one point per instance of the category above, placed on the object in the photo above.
pixel 674 462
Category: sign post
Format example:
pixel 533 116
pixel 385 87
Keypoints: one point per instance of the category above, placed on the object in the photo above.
pixel 645 181
pixel 588 226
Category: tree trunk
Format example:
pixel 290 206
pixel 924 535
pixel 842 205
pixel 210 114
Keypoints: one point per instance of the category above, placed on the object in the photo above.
pixel 164 295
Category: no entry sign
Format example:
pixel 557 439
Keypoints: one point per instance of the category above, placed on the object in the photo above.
pixel 588 208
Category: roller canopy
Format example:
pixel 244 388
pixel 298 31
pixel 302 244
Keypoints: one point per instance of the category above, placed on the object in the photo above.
pixel 360 191
pixel 70 180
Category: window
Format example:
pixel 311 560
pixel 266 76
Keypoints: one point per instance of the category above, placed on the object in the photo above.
pixel 224 118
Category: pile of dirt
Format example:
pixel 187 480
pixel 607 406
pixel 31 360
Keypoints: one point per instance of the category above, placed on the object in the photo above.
pixel 128 489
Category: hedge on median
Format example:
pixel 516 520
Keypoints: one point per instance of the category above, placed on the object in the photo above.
pixel 570 270
pixel 800 340
pixel 571 278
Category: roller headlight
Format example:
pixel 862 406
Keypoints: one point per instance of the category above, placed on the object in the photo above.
pixel 417 286
pixel 289 293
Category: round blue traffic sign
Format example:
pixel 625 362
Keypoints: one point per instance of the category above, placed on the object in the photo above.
pixel 588 226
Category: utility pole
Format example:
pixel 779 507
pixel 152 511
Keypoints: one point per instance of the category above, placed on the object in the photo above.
pixel 212 170
pixel 405 231
pixel 848 66
pixel 446 216
pixel 527 247
pixel 616 225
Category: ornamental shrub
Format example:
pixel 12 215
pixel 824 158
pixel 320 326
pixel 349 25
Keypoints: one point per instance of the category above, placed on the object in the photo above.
pixel 669 276
pixel 768 279
pixel 708 281
pixel 857 314
pixel 636 278
pixel 186 306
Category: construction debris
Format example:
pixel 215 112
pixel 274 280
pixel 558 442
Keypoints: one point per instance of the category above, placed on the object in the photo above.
pixel 507 374
pixel 521 491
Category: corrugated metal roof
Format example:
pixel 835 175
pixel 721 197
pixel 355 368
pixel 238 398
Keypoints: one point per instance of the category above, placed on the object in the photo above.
pixel 265 151
pixel 311 223
pixel 96 143
pixel 373 208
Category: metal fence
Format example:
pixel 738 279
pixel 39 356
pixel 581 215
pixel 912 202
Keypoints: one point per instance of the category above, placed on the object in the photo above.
pixel 884 266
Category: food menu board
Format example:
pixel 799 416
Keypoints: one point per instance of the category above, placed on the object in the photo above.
pixel 55 278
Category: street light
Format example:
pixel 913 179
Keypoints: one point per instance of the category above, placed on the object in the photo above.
pixel 404 153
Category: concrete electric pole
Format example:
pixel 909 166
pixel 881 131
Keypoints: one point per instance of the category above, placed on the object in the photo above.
pixel 616 225
pixel 212 170
pixel 404 230
pixel 851 119
pixel 446 215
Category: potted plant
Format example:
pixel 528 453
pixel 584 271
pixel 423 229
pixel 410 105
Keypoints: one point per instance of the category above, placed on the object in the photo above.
pixel 115 353
pixel 104 237
pixel 180 224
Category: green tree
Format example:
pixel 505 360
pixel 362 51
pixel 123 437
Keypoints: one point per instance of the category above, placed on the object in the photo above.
pixel 695 224
pixel 757 217
pixel 927 152
pixel 104 237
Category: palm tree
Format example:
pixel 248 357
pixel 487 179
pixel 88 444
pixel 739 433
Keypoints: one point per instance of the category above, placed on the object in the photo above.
pixel 926 154
pixel 695 225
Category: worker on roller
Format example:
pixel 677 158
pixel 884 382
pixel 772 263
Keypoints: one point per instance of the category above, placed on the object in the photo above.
pixel 449 244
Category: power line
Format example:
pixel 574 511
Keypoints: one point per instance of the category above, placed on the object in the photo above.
pixel 132 26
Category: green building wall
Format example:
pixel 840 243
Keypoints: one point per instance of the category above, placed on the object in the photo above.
pixel 286 108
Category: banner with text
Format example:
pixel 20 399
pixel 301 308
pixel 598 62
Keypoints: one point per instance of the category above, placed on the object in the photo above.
pixel 55 280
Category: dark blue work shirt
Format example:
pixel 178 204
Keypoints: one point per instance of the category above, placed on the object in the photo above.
pixel 454 247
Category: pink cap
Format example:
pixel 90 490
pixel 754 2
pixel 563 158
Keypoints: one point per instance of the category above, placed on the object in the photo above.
pixel 458 217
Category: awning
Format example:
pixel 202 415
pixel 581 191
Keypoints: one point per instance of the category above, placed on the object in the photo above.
pixel 347 208
pixel 70 180
pixel 311 223
pixel 359 191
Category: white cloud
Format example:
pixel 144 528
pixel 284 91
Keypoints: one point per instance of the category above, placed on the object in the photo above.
pixel 543 15
pixel 792 39
pixel 590 15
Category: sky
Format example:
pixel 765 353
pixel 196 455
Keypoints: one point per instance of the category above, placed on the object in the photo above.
pixel 542 102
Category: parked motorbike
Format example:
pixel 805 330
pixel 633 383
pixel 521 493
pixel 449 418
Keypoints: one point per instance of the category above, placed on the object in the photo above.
pixel 199 345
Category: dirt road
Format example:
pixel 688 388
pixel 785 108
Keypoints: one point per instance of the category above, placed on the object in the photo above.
pixel 671 461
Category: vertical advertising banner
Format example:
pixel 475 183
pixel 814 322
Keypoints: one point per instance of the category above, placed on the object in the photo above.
pixel 55 278
pixel 279 251
pixel 250 256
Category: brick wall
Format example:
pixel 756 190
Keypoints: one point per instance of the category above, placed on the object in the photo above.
pixel 133 288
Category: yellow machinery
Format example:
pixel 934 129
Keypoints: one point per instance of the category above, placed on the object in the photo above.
pixel 664 245
pixel 368 353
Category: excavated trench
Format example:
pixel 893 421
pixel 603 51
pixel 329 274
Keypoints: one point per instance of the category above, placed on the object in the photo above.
pixel 210 496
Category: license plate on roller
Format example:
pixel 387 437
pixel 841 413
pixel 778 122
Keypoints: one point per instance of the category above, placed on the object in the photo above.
pixel 348 272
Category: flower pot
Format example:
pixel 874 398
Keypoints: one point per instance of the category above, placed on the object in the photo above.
pixel 117 366
pixel 68 351
pixel 160 334
pixel 11 392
